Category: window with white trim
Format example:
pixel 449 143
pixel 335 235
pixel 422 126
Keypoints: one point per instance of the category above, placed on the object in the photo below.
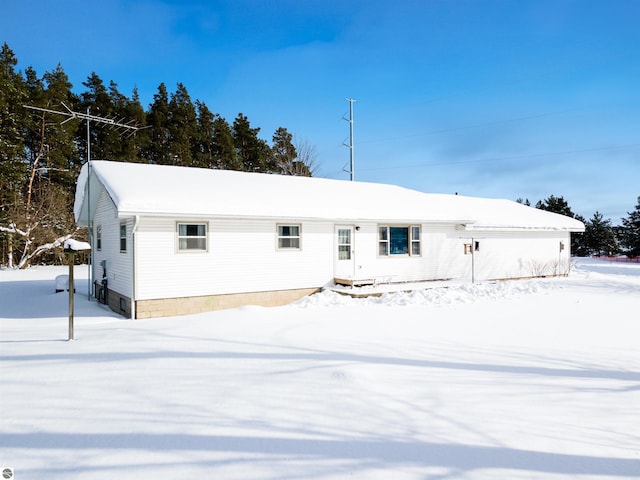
pixel 344 243
pixel 415 240
pixel 399 240
pixel 288 237
pixel 99 237
pixel 123 237
pixel 192 237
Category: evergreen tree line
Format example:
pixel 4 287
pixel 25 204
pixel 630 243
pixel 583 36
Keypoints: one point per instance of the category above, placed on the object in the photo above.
pixel 41 153
pixel 600 237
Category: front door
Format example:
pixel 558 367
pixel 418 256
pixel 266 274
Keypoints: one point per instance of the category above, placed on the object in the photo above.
pixel 344 262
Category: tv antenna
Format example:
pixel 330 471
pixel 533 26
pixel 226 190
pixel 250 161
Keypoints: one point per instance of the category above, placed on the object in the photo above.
pixel 129 127
pixel 118 124
pixel 351 170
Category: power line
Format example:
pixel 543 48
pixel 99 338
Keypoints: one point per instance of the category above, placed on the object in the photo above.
pixel 532 155
pixel 464 127
pixel 564 69
pixel 477 125
pixel 523 79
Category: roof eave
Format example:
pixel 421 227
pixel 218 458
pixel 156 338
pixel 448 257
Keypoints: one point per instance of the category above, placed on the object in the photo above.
pixel 201 215
pixel 518 228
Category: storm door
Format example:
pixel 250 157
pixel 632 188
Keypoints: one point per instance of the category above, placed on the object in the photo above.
pixel 344 252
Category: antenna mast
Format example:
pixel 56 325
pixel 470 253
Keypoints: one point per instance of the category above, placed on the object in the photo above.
pixel 351 156
pixel 86 116
pixel 129 126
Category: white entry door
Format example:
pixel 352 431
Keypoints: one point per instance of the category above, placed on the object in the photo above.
pixel 344 261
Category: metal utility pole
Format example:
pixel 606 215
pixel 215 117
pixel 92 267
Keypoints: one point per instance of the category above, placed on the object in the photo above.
pixel 129 126
pixel 351 154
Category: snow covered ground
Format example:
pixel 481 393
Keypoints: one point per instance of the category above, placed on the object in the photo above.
pixel 516 380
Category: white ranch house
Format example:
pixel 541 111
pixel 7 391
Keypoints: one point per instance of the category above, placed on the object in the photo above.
pixel 173 240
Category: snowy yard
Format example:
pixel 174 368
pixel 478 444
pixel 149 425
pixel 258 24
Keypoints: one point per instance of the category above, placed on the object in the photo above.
pixel 516 380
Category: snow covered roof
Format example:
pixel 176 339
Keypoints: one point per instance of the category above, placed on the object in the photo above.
pixel 181 192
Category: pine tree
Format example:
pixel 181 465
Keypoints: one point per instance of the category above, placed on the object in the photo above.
pixel 13 168
pixel 158 150
pixel 105 141
pixel 252 152
pixel 136 142
pixel 559 205
pixel 224 151
pixel 13 95
pixel 203 147
pixel 579 242
pixel 62 158
pixel 599 237
pixel 631 235
pixel 38 217
pixel 40 154
pixel 126 145
pixel 556 205
pixel 182 127
pixel 53 165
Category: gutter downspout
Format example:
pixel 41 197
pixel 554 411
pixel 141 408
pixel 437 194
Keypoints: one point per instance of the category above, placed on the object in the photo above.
pixel 90 258
pixel 473 260
pixel 133 269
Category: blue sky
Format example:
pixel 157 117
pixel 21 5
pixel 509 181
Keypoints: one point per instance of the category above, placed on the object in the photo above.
pixel 492 98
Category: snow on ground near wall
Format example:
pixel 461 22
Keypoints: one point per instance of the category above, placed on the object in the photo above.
pixel 514 380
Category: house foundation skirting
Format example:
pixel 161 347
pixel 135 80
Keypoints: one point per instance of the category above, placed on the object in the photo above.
pixel 166 307
pixel 116 301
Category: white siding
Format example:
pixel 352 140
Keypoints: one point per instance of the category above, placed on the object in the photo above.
pixel 242 256
pixel 118 263
pixel 441 256
pixel 500 255
pixel 521 254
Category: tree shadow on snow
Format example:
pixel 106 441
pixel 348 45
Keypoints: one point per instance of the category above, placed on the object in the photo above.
pixel 330 358
pixel 361 454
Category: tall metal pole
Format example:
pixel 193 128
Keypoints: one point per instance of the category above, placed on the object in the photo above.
pixel 351 152
pixel 89 229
